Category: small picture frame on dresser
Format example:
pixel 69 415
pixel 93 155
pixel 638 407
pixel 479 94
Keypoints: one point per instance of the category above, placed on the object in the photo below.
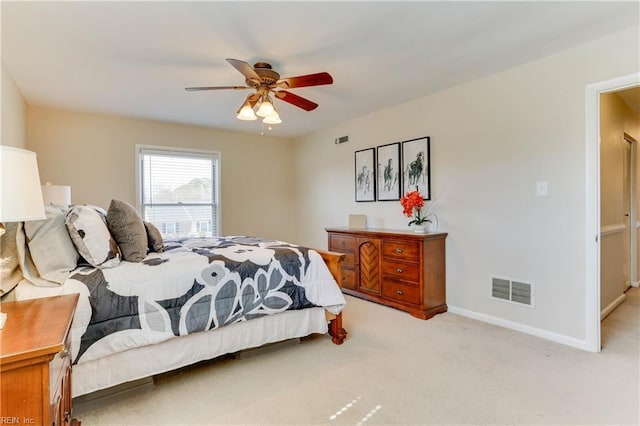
pixel 416 166
pixel 365 180
pixel 389 168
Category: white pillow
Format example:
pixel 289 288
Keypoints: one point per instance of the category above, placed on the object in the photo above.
pixel 88 231
pixel 51 248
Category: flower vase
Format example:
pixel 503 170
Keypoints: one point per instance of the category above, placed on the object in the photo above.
pixel 420 229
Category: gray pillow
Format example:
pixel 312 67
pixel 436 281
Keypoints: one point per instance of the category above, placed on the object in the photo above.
pixel 92 239
pixel 50 245
pixel 127 228
pixel 154 236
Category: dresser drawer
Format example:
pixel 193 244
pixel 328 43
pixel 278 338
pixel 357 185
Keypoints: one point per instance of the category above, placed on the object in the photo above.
pixel 403 271
pixel 401 292
pixel 341 243
pixel 348 279
pixel 401 250
pixel 59 365
pixel 348 261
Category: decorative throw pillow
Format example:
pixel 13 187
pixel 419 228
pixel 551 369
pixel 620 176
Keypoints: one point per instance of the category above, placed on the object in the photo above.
pixel 92 239
pixel 154 236
pixel 129 231
pixel 50 245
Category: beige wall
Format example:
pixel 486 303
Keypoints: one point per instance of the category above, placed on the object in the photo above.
pixel 492 140
pixel 616 119
pixel 13 112
pixel 95 154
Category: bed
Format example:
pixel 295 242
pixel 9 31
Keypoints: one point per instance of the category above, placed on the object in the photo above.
pixel 197 299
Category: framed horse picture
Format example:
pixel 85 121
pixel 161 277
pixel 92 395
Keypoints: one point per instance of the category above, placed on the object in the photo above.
pixel 388 173
pixel 416 166
pixel 365 175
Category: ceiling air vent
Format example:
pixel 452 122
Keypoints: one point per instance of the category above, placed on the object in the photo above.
pixel 342 139
pixel 512 291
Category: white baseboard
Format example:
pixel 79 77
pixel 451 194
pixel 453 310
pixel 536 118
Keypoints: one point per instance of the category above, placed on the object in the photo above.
pixel 538 332
pixel 611 306
pixel 634 284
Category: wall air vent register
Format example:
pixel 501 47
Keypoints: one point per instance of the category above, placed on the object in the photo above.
pixel 516 292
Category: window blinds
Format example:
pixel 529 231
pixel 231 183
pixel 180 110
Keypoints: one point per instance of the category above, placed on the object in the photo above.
pixel 178 191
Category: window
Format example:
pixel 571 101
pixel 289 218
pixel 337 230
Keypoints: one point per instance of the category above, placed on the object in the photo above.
pixel 168 228
pixel 178 190
pixel 203 226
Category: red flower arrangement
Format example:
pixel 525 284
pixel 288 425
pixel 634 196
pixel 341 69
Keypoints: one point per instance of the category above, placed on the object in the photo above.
pixel 412 203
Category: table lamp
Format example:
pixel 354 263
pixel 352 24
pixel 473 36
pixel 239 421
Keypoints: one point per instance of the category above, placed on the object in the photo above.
pixel 56 195
pixel 20 194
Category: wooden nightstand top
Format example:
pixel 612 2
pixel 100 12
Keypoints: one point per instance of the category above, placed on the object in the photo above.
pixel 36 327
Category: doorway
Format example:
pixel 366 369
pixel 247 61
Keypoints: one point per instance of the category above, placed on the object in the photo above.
pixel 631 203
pixel 593 202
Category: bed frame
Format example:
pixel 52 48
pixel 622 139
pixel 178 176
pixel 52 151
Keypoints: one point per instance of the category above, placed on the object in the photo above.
pixel 334 263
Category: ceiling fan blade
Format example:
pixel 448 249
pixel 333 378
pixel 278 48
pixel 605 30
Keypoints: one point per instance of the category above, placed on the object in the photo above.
pixel 245 69
pixel 296 100
pixel 193 89
pixel 317 79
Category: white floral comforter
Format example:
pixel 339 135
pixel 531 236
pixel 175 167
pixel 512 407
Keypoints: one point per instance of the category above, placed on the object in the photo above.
pixel 195 285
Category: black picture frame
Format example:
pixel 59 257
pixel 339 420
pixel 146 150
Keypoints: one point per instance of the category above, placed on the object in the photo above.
pixel 416 166
pixel 365 179
pixel 388 172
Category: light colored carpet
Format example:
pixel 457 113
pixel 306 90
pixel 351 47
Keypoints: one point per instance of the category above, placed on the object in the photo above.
pixel 396 369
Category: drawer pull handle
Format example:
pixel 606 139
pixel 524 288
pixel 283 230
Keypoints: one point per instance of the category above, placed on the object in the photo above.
pixel 343 244
pixel 400 292
pixel 399 250
pixel 64 353
pixel 399 270
pixel 343 278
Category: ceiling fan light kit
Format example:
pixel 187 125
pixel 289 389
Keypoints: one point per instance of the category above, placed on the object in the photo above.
pixel 246 113
pixel 264 80
pixel 266 108
pixel 274 119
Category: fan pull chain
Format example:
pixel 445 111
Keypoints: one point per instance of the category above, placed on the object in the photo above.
pixel 262 130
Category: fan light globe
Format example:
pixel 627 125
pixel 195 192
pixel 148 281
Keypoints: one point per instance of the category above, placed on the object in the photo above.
pixel 246 113
pixel 273 119
pixel 266 109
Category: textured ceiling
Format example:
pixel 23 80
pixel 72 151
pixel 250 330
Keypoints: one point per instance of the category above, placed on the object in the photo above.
pixel 135 58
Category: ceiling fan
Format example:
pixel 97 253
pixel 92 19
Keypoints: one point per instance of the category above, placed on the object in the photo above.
pixel 264 80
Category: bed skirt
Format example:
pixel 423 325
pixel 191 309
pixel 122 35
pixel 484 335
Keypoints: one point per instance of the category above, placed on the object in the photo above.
pixel 181 351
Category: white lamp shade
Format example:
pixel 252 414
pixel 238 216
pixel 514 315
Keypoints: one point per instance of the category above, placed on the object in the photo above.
pixel 56 194
pixel 20 194
pixel 272 119
pixel 246 113
pixel 266 109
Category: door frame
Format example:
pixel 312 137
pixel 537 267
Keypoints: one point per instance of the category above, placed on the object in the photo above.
pixel 633 211
pixel 592 214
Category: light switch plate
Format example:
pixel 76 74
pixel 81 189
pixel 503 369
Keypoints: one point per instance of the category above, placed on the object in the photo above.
pixel 542 188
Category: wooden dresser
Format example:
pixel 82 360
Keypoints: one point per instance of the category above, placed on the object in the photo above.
pixel 402 269
pixel 35 362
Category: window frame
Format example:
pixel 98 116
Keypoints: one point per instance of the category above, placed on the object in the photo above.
pixel 216 156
